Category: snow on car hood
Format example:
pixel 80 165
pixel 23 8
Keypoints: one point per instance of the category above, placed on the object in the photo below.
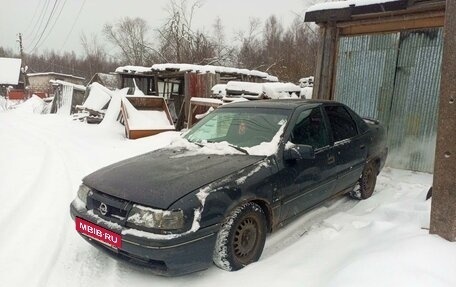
pixel 157 179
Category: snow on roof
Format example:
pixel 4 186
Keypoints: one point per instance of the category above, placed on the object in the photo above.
pixel 64 83
pixel 9 71
pixel 54 74
pixel 345 4
pixel 196 69
pixel 271 90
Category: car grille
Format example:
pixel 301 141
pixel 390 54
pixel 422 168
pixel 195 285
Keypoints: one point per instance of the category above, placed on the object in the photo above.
pixel 108 207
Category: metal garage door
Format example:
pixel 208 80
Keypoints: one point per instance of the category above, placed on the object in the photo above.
pixel 395 78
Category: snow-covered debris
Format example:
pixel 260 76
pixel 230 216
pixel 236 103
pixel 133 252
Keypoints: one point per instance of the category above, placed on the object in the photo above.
pixel 306 82
pixel 345 4
pixel 98 97
pixel 34 105
pixel 146 119
pixel 254 91
pixel 113 110
pixel 195 69
pixel 306 92
pixel 10 69
pixel 218 91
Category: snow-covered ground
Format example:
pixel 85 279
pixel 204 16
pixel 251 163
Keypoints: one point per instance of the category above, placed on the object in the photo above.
pixel 382 241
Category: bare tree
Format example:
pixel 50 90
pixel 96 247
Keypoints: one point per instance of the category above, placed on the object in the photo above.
pixel 225 54
pixel 129 36
pixel 249 55
pixel 179 42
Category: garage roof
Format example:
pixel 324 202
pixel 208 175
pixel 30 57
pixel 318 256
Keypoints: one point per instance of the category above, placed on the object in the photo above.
pixel 345 10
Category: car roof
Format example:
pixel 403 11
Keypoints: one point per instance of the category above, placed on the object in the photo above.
pixel 288 104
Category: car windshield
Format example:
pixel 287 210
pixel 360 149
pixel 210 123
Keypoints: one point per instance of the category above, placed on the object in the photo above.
pixel 241 127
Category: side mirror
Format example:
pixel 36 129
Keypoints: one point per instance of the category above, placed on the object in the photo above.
pixel 297 152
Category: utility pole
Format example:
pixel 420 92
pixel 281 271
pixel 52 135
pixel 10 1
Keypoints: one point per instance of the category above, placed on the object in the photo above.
pixel 21 47
pixel 23 69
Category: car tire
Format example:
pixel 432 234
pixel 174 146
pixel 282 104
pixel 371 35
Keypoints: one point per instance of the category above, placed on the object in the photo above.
pixel 366 184
pixel 241 238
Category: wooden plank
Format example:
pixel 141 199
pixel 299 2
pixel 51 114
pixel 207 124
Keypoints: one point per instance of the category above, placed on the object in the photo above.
pixel 391 25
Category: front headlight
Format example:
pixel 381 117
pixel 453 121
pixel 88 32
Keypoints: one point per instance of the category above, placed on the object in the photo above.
pixel 82 192
pixel 156 218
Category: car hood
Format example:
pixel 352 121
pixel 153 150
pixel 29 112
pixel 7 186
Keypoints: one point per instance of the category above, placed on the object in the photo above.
pixel 161 177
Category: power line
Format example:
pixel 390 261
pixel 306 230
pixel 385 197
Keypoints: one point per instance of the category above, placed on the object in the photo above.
pixel 33 17
pixel 53 25
pixel 45 27
pixel 73 25
pixel 39 22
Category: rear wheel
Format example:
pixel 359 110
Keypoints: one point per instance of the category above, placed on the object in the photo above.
pixel 366 184
pixel 241 238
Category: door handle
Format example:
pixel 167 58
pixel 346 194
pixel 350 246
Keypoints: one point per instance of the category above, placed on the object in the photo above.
pixel 363 146
pixel 331 159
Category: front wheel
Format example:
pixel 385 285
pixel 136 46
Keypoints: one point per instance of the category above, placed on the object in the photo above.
pixel 241 238
pixel 366 184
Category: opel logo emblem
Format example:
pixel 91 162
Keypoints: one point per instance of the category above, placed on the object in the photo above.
pixel 103 208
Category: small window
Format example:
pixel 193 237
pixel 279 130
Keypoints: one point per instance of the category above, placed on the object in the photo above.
pixel 342 125
pixel 310 129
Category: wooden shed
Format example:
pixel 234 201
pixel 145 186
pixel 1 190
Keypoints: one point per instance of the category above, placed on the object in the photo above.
pixel 177 83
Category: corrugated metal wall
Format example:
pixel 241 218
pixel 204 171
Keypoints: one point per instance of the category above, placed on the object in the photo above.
pixel 412 127
pixel 395 78
pixel 365 73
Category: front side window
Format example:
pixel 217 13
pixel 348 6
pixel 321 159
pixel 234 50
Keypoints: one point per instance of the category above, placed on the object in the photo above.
pixel 310 129
pixel 243 127
pixel 342 125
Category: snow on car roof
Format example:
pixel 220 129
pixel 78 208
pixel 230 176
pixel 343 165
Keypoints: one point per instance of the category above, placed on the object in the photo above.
pixel 9 71
pixel 196 69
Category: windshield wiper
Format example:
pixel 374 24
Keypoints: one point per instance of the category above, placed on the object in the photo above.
pixel 239 148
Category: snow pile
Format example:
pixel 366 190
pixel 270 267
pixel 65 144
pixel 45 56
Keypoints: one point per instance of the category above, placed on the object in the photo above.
pixel 345 4
pixel 98 97
pixel 382 241
pixel 34 105
pixel 10 69
pixel 195 69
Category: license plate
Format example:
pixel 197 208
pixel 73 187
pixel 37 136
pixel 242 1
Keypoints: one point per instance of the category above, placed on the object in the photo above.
pixel 98 233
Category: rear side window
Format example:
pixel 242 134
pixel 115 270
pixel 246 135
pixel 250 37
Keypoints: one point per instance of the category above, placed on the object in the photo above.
pixel 342 125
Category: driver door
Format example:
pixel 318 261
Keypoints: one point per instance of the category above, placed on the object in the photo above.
pixel 307 182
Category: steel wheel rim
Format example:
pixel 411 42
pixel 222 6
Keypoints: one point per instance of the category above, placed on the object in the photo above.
pixel 246 238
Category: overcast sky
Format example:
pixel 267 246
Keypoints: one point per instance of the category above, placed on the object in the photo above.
pixel 23 16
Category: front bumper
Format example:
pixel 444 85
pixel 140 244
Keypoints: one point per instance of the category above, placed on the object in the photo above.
pixel 164 256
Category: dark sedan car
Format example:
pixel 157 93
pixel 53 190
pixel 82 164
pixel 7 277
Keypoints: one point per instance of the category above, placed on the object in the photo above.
pixel 242 171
